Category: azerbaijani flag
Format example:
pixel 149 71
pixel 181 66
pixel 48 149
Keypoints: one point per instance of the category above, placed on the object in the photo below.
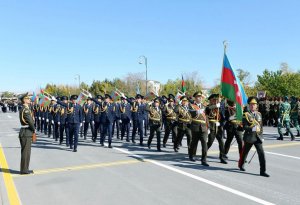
pixel 183 88
pixel 45 101
pixel 34 98
pixel 115 95
pixel 81 98
pixel 232 88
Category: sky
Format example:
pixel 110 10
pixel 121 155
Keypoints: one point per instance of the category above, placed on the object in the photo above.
pixel 52 41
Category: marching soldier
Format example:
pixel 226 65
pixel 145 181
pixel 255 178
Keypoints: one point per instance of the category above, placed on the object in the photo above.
pixel 88 117
pixel 63 123
pixel 116 122
pixel 233 128
pixel 252 124
pixel 137 110
pixel 184 122
pixel 171 120
pixel 56 119
pixel 284 118
pixel 26 133
pixel 215 118
pixel 74 120
pixel 199 129
pixel 107 118
pixel 155 121
pixel 96 117
pixel 125 110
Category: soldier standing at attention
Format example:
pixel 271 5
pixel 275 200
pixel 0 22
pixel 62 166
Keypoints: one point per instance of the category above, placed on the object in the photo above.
pixel 26 132
pixel 252 124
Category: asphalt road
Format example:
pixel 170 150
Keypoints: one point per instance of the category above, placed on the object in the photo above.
pixel 130 174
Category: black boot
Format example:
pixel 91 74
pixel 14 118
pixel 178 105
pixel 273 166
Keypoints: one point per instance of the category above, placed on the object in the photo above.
pixel 280 137
pixel 264 174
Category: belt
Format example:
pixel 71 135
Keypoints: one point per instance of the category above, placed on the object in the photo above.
pixel 199 121
pixel 171 118
pixel 25 126
pixel 213 121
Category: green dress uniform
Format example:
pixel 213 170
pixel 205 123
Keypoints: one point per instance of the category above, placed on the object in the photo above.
pixel 295 114
pixel 25 137
pixel 284 118
pixel 253 135
pixel 184 124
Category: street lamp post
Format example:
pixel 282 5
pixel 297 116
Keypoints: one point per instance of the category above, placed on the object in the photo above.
pixel 144 58
pixel 78 76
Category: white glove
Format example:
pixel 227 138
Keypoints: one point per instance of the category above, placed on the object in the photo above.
pixel 53 98
pixel 200 111
pixel 208 131
pixel 279 120
pixel 217 124
pixel 39 118
pixel 47 120
pixel 52 122
pixel 83 121
pixel 90 95
pixel 93 122
pixel 43 118
pixel 218 105
pixel 254 129
pixel 120 121
pixel 262 140
pixel 80 124
pixel 232 117
pixel 123 96
pixel 58 123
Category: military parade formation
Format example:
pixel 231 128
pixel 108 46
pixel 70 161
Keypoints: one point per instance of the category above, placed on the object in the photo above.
pixel 137 119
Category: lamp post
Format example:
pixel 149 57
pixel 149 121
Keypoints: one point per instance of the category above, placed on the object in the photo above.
pixel 143 60
pixel 77 76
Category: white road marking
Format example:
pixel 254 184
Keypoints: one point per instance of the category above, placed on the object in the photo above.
pixel 283 155
pixel 220 186
pixel 9 116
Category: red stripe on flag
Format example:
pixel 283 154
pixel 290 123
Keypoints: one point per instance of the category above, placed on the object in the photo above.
pixel 228 76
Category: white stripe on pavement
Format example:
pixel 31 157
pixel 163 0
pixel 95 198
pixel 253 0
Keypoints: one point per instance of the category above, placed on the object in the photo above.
pixel 283 155
pixel 220 186
pixel 9 116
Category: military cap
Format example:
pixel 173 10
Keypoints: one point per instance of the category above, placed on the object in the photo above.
pixel 74 97
pixel 157 99
pixel 286 98
pixel 252 100
pixel 230 103
pixel 64 98
pixel 99 97
pixel 23 96
pixel 171 98
pixel 139 96
pixel 199 93
pixel 183 98
pixel 213 96
pixel 107 96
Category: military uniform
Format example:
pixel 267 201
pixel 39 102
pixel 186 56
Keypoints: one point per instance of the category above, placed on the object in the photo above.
pixel 74 119
pixel 155 121
pixel 284 119
pixel 56 120
pixel 63 127
pixel 138 113
pixel 96 117
pixel 233 128
pixel 199 129
pixel 116 123
pixel 215 118
pixel 294 114
pixel 171 123
pixel 252 124
pixel 184 123
pixel 125 110
pixel 88 118
pixel 25 135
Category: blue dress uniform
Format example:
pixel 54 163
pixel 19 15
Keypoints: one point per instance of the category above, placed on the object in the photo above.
pixel 117 120
pixel 146 120
pixel 56 119
pixel 138 112
pixel 63 123
pixel 96 117
pixel 125 110
pixel 74 119
pixel 88 117
pixel 50 118
pixel 107 118
pixel 42 121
